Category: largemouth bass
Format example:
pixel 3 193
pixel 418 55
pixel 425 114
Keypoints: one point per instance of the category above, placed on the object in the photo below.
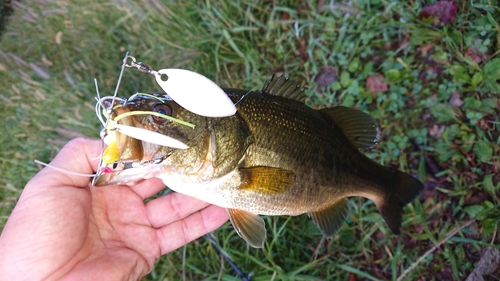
pixel 275 156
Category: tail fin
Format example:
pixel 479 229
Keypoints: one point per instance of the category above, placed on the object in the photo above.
pixel 391 207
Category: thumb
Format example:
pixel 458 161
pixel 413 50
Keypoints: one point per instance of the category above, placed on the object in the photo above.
pixel 79 155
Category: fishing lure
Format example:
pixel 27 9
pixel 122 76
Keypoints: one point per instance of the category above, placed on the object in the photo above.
pixel 189 89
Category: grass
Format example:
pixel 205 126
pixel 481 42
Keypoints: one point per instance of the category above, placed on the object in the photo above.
pixel 439 115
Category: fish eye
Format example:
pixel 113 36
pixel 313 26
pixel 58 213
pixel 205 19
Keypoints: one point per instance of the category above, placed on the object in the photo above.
pixel 163 109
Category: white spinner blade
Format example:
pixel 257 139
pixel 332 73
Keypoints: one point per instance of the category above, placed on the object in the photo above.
pixel 195 92
pixel 150 136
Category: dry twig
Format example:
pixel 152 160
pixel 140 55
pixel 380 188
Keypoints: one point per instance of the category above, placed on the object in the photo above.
pixel 431 250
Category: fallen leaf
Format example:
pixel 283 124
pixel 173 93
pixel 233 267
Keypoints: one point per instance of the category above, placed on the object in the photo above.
pixel 40 71
pixel 326 76
pixel 19 61
pixel 440 13
pixel 46 61
pixel 474 54
pixel 403 45
pixel 490 260
pixel 376 84
pixel 455 100
pixel 483 123
pixel 5 99
pixel 427 48
pixel 436 130
pixel 58 37
pixel 39 95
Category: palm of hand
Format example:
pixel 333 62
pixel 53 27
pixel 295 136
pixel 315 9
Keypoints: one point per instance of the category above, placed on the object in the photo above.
pixel 62 227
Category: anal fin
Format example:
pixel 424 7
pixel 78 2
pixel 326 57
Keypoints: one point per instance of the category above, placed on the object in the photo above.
pixel 249 226
pixel 330 219
pixel 266 180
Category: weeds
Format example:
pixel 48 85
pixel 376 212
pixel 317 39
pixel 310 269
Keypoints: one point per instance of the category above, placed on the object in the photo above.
pixel 435 91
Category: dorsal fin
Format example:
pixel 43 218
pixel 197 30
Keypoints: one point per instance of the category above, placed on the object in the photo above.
pixel 359 127
pixel 282 86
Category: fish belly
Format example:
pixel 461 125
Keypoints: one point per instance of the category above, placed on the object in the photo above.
pixel 225 192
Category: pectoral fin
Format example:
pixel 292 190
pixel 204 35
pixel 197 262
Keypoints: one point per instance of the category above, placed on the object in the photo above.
pixel 266 180
pixel 330 219
pixel 249 226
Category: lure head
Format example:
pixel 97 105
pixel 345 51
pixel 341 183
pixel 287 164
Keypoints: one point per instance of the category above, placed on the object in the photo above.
pixel 131 157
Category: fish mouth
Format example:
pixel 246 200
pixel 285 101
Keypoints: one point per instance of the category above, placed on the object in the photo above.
pixel 129 170
pixel 127 176
pixel 135 147
pixel 133 159
pixel 103 178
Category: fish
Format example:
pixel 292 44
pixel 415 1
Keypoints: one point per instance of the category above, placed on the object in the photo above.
pixel 274 156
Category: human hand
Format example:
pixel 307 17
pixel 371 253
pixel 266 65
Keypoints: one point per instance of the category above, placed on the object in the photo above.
pixel 65 228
